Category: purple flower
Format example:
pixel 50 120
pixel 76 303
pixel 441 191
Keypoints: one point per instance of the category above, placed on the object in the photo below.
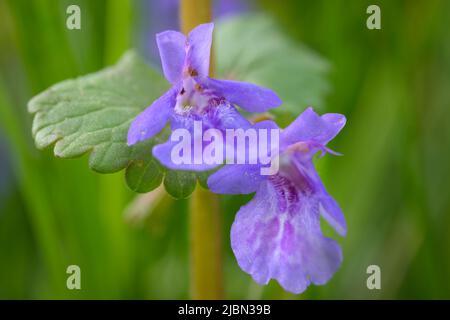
pixel 277 234
pixel 163 15
pixel 193 95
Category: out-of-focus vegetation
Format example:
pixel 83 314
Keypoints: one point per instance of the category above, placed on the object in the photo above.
pixel 392 84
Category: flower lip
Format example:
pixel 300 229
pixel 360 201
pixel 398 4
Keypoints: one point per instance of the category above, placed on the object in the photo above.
pixel 273 238
pixel 287 193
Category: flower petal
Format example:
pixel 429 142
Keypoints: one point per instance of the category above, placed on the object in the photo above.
pixel 248 96
pixel 266 124
pixel 286 246
pixel 235 179
pixel 241 178
pixel 199 48
pixel 163 152
pixel 328 207
pixel 309 126
pixel 185 148
pixel 223 115
pixel 332 213
pixel 334 122
pixel 153 119
pixel 172 49
pixel 219 115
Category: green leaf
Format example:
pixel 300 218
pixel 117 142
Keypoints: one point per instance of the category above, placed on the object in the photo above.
pixel 180 184
pixel 144 173
pixel 251 48
pixel 91 114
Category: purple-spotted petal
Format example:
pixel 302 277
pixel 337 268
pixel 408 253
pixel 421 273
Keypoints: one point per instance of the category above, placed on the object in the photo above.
pixel 172 49
pixel 309 126
pixel 235 179
pixel 248 96
pixel 153 119
pixel 199 48
pixel 288 246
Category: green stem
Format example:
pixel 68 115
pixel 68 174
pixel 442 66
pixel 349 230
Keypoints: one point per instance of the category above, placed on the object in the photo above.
pixel 204 219
pixel 205 243
pixel 193 13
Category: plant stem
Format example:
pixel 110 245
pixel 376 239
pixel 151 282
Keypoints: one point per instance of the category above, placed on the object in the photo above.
pixel 193 13
pixel 204 219
pixel 205 243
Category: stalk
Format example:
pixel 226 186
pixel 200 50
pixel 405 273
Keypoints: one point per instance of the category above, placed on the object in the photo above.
pixel 205 245
pixel 204 217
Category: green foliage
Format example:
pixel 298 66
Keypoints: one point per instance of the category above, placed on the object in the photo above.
pixel 180 184
pixel 91 114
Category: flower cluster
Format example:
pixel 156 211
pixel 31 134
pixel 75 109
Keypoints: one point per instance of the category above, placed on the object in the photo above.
pixel 277 234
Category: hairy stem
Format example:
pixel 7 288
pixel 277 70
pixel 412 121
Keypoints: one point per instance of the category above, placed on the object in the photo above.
pixel 205 219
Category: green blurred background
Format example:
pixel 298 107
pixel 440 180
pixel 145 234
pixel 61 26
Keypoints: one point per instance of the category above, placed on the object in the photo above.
pixel 392 84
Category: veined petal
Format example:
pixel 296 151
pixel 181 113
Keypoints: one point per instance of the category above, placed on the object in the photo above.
pixel 199 48
pixel 153 119
pixel 328 207
pixel 288 246
pixel 172 49
pixel 309 126
pixel 248 96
